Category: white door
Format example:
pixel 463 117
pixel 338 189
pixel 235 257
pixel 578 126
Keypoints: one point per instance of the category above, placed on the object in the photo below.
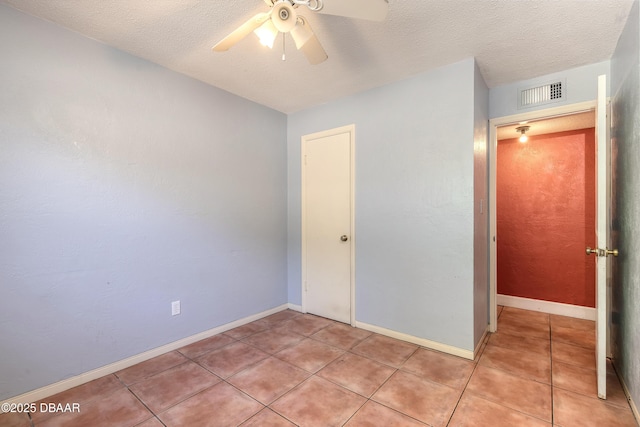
pixel 602 251
pixel 327 221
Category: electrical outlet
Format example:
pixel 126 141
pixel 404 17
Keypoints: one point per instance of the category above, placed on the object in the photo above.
pixel 175 308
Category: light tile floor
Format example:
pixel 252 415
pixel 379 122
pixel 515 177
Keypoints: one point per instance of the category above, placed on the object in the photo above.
pixel 297 369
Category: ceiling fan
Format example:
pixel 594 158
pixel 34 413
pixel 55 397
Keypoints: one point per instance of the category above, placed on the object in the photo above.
pixel 283 18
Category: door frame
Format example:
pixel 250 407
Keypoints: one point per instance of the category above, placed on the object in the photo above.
pixel 493 151
pixel 351 130
pixel 603 234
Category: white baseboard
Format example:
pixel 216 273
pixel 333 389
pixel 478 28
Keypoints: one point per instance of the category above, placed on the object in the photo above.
pixel 295 307
pixel 479 346
pixel 569 310
pixel 445 348
pixel 60 386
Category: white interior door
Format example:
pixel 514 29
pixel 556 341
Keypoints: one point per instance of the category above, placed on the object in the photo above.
pixel 327 223
pixel 603 198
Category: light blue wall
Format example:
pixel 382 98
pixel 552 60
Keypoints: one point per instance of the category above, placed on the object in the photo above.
pixel 414 202
pixel 124 186
pixel 625 87
pixel 581 86
pixel 481 216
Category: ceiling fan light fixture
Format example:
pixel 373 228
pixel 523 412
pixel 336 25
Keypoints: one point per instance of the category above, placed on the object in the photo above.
pixel 301 33
pixel 283 16
pixel 267 34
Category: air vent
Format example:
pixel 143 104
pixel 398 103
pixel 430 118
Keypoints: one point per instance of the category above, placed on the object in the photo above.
pixel 539 95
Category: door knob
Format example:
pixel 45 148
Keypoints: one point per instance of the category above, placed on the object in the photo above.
pixel 602 252
pixel 344 238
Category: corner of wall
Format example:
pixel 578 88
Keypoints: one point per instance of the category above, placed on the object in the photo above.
pixel 481 217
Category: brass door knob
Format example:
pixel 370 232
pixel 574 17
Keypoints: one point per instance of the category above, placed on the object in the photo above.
pixel 602 252
pixel 592 251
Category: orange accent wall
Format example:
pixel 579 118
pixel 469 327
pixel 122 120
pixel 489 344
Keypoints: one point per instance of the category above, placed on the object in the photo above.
pixel 546 217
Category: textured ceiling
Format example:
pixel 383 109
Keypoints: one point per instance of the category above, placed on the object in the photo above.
pixel 511 40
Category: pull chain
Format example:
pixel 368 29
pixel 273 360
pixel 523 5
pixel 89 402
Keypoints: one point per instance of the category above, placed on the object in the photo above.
pixel 284 58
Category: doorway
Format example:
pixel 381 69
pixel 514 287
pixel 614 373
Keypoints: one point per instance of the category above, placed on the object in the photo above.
pixel 545 198
pixel 328 238
pixel 602 224
pixel 513 122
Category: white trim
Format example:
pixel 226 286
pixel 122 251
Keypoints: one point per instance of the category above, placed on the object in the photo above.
pixel 351 130
pixel 493 149
pixel 445 348
pixel 60 386
pixel 295 307
pixel 602 228
pixel 303 226
pixel 634 408
pixel 476 351
pixel 577 311
pixel 353 222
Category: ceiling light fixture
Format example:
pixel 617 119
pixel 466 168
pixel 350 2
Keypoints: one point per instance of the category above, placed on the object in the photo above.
pixel 267 34
pixel 523 135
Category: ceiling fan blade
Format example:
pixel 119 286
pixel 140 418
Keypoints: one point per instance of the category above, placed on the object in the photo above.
pixel 302 32
pixel 371 10
pixel 307 42
pixel 314 51
pixel 241 32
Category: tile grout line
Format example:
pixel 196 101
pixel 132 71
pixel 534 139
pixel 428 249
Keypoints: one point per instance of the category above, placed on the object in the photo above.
pixel 252 398
pixel 189 360
pixel 397 369
pixel 482 397
pixel 154 415
pixel 311 374
pixel 284 394
pixel 369 399
pixel 521 377
pixel 91 400
pixel 192 360
pixel 271 327
pixel 465 386
pixel 264 406
pixel 345 351
pixel 356 411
